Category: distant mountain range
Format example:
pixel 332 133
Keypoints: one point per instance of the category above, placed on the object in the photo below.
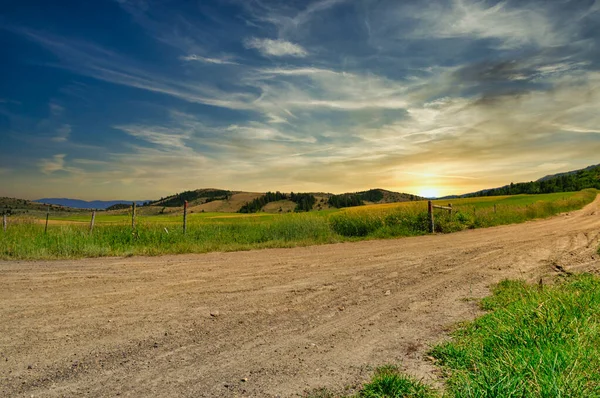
pixel 82 204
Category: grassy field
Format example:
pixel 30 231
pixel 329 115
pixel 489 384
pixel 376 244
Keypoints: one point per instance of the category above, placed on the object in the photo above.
pixel 535 341
pixel 68 235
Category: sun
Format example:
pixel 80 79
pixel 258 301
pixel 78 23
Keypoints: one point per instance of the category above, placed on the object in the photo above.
pixel 429 192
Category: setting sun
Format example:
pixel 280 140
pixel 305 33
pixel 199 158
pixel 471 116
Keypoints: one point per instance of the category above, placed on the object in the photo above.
pixel 429 192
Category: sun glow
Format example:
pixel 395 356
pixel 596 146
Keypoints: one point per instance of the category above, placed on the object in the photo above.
pixel 429 192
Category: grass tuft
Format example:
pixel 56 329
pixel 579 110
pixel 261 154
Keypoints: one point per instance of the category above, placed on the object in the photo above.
pixel 389 382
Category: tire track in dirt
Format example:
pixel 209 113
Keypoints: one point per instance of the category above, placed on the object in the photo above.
pixel 285 319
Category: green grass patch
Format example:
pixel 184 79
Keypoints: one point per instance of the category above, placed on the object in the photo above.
pixel 535 342
pixel 389 382
pixel 386 382
pixel 28 241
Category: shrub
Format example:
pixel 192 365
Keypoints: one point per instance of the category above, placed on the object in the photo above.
pixel 355 224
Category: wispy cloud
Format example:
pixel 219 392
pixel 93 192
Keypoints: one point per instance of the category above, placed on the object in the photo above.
pixel 207 60
pixel 296 71
pixel 9 101
pixel 55 109
pixel 286 19
pixel 513 26
pixel 62 133
pixel 56 163
pixel 94 61
pixel 161 137
pixel 277 48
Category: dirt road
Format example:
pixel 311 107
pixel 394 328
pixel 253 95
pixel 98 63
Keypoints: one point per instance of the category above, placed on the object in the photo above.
pixel 262 323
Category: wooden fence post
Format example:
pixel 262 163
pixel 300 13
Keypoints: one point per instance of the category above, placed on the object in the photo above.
pixel 185 204
pixel 450 206
pixel 92 222
pixel 4 223
pixel 430 214
pixel 133 216
pixel 47 216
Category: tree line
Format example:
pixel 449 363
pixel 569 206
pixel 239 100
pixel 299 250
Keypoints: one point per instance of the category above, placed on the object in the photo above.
pixel 179 199
pixel 345 200
pixel 304 201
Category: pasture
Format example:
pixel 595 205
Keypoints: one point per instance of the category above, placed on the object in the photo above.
pixel 69 235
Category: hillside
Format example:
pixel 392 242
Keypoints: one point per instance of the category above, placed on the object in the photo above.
pixel 13 206
pixel 231 204
pixel 379 195
pixel 196 197
pixel 569 181
pixel 376 196
pixel 552 176
pixel 221 200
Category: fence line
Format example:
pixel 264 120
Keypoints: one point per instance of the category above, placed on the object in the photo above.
pixel 430 207
pixel 185 206
pixel 47 216
pixel 133 216
pixel 92 222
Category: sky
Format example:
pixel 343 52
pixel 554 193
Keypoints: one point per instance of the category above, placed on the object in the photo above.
pixel 139 99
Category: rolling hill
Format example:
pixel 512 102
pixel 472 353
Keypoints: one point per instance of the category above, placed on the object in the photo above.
pixel 19 206
pixel 222 200
pixel 374 196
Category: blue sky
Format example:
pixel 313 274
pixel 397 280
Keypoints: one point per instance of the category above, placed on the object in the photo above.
pixel 145 98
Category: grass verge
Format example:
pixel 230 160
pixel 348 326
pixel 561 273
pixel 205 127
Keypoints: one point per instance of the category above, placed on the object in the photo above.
pixel 536 341
pixel 28 241
pixel 410 219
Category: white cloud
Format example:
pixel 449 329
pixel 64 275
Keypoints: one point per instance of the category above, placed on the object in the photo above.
pixel 49 166
pixel 513 26
pixel 277 48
